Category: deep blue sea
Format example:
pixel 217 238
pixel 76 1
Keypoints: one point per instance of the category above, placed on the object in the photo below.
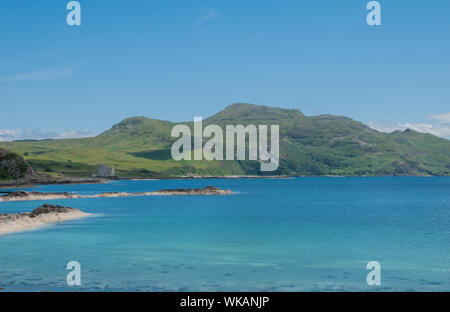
pixel 302 234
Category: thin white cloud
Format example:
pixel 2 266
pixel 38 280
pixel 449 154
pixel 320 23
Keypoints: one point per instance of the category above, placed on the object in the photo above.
pixel 75 134
pixel 207 14
pixel 20 134
pixel 50 74
pixel 384 127
pixel 441 118
pixel 440 130
pixel 259 36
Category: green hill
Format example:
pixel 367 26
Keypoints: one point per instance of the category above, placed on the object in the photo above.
pixel 317 145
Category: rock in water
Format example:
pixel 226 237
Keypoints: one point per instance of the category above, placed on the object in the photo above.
pixel 44 209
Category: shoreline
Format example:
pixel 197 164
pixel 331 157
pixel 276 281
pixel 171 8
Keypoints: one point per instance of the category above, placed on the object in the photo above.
pixel 31 184
pixel 211 177
pixel 73 181
pixel 44 215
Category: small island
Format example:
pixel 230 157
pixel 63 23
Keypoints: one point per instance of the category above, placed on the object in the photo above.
pixel 10 223
pixel 27 196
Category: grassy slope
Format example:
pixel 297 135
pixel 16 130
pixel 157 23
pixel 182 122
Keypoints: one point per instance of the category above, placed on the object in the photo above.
pixel 320 145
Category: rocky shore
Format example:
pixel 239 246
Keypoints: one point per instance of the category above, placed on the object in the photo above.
pixel 10 223
pixel 27 196
pixel 209 190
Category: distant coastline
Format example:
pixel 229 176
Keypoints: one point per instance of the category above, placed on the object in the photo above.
pixel 213 177
pixel 5 185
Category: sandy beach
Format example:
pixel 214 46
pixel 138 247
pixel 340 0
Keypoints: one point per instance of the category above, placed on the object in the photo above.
pixel 47 214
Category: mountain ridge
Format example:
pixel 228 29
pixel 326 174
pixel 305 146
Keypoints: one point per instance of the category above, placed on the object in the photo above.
pixel 309 145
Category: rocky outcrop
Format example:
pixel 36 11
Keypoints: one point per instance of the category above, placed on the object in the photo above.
pixel 45 214
pixel 13 167
pixel 209 190
pixel 26 196
pixel 44 209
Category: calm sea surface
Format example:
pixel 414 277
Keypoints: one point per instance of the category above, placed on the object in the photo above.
pixel 303 234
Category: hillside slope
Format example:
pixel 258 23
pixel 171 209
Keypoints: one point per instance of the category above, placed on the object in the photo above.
pixel 317 145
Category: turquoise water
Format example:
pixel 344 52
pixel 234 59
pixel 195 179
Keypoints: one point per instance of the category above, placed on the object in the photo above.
pixel 304 234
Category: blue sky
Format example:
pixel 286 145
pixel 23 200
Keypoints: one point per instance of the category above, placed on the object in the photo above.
pixel 174 60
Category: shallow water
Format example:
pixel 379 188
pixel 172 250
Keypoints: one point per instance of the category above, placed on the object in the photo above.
pixel 303 234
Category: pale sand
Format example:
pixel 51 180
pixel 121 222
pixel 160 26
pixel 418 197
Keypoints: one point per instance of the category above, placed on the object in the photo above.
pixel 21 222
